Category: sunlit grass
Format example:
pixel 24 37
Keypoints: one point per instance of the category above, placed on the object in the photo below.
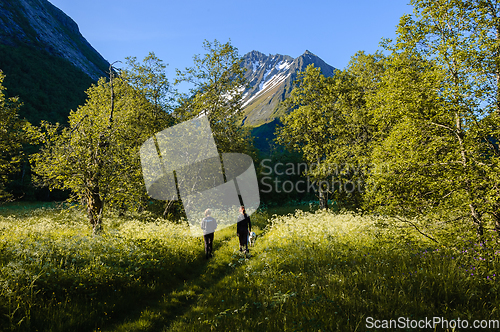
pixel 326 272
pixel 51 265
pixel 310 271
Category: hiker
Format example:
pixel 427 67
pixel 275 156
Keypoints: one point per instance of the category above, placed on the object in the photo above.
pixel 243 228
pixel 208 225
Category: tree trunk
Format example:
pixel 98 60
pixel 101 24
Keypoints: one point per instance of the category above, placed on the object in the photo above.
pixel 476 219
pixel 167 209
pixel 94 211
pixel 497 228
pixel 323 198
pixel 496 215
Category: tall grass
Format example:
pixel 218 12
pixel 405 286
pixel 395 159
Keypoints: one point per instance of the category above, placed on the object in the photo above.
pixel 330 272
pixel 309 271
pixel 55 276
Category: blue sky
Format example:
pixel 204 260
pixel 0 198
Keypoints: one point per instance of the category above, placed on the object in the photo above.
pixel 333 30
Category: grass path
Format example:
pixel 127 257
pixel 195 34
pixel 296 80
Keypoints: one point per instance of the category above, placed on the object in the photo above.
pixel 162 311
pixel 309 272
pixel 326 272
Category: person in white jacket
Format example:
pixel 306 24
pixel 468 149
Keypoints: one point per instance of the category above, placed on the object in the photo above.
pixel 208 225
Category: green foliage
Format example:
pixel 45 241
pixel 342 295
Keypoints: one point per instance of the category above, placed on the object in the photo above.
pixel 327 272
pixel 414 158
pixel 11 138
pixel 49 87
pixel 150 79
pixel 418 127
pixel 97 155
pixel 307 128
pixel 307 271
pixel 54 276
pixel 218 80
pixel 354 129
pixel 283 180
pixel 331 124
pixel 440 92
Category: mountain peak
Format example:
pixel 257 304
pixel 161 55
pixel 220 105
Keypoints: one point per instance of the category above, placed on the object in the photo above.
pixel 255 53
pixel 271 79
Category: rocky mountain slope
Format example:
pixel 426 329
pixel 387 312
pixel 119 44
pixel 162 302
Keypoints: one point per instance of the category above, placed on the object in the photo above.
pixel 271 79
pixel 40 24
pixel 46 60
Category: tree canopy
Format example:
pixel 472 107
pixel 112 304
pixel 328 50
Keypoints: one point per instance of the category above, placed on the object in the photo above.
pixel 97 155
pixel 421 124
pixel 11 138
pixel 218 84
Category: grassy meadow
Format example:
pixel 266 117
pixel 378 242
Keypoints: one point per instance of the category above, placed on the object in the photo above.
pixel 309 271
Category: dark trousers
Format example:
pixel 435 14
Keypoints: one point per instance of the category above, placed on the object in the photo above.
pixel 243 236
pixel 209 241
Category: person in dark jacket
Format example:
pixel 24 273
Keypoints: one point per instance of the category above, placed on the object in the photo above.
pixel 208 225
pixel 243 228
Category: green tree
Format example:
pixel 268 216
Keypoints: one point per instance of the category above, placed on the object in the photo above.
pixel 441 91
pixel 97 155
pixel 353 128
pixel 150 78
pixel 307 126
pixel 330 123
pixel 218 80
pixel 11 138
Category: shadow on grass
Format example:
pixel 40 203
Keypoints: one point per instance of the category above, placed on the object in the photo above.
pixel 106 309
pixel 167 302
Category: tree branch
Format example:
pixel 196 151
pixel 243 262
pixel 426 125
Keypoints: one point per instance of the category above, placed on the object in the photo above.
pixel 417 229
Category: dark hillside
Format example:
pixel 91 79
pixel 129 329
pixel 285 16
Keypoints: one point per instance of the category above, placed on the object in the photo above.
pixel 48 63
pixel 48 86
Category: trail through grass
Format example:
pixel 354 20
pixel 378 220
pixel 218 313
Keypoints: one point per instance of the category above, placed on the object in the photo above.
pixel 311 271
pixel 172 305
pixel 326 272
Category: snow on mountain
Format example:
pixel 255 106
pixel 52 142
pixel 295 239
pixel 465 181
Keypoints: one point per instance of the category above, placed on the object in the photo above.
pixel 271 80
